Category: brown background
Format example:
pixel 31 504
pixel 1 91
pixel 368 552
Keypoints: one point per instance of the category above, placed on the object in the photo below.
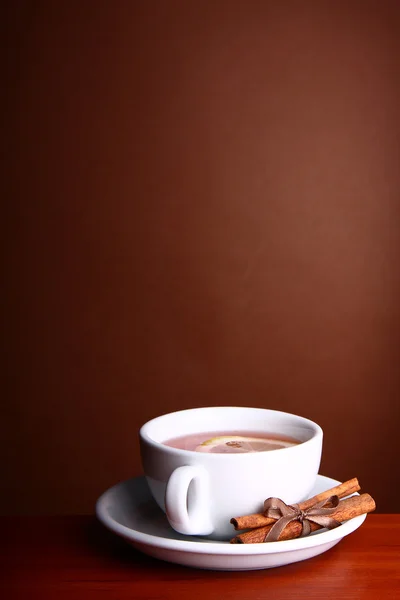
pixel 202 207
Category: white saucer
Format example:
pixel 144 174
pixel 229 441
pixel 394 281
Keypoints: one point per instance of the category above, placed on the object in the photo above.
pixel 128 510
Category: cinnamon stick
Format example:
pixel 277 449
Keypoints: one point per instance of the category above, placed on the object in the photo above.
pixel 260 520
pixel 346 509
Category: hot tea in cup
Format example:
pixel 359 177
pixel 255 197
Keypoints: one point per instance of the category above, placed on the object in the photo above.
pixel 206 465
pixel 231 442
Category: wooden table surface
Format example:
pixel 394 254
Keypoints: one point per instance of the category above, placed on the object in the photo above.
pixel 76 557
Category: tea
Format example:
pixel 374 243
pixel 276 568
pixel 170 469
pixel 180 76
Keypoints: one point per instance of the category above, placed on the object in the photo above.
pixel 231 442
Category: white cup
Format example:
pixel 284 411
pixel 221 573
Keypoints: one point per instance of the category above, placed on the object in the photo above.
pixel 200 492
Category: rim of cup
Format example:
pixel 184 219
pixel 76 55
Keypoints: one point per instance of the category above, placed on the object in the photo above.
pixel 315 429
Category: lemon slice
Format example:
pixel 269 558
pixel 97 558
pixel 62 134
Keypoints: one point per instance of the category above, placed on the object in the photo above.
pixel 237 444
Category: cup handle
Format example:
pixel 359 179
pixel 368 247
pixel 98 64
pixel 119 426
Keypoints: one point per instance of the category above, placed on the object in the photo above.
pixel 187 501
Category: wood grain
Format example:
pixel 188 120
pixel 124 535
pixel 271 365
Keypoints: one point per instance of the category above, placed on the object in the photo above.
pixel 76 558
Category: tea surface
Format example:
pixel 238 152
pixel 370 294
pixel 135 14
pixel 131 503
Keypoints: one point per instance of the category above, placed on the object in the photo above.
pixel 231 442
